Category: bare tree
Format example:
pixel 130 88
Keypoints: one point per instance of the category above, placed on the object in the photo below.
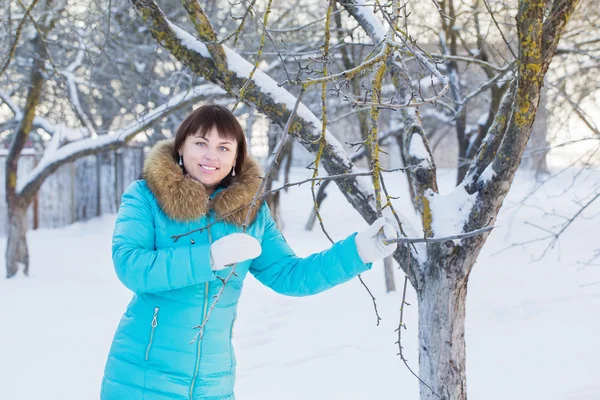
pixel 81 96
pixel 570 93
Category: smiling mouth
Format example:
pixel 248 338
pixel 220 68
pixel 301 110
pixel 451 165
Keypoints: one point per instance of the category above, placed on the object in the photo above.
pixel 207 168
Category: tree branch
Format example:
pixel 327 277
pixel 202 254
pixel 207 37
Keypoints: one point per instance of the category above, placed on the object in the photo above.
pixel 493 180
pixel 275 102
pixel 205 31
pixel 423 175
pixel 52 160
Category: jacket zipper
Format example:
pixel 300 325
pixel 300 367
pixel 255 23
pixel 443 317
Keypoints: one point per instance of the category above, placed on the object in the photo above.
pixel 204 307
pixel 154 324
pixel 199 344
pixel 231 339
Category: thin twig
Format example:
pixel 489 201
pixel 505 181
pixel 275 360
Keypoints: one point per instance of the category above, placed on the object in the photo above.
pixel 322 138
pixel 258 56
pixel 253 203
pixel 372 298
pixel 287 185
pixel 444 238
pixel 487 6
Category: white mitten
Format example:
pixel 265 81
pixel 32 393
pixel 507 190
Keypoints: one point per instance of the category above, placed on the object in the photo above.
pixel 369 243
pixel 232 249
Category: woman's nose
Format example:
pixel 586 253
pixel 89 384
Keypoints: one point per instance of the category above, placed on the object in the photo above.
pixel 210 154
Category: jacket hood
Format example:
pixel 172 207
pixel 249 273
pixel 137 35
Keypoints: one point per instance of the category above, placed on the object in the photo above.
pixel 185 199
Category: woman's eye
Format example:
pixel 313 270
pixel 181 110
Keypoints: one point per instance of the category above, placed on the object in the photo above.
pixel 200 143
pixel 222 148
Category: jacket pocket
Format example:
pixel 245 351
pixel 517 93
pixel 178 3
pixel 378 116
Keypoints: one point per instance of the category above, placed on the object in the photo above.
pixel 153 325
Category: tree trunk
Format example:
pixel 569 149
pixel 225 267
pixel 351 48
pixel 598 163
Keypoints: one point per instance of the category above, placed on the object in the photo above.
pixel 442 336
pixel 16 242
pixel 16 245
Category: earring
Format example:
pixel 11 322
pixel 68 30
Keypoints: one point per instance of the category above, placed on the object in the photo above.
pixel 233 171
pixel 181 161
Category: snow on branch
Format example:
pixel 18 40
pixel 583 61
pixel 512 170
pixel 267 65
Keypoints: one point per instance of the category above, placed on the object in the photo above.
pixel 367 18
pixel 39 122
pixel 12 105
pixel 55 157
pixel 268 97
pixel 69 74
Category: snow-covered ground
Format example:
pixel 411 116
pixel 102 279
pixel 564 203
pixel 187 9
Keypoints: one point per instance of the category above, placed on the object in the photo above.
pixel 532 328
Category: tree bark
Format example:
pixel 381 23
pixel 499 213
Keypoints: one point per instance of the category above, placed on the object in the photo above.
pixel 442 356
pixel 538 145
pixel 16 244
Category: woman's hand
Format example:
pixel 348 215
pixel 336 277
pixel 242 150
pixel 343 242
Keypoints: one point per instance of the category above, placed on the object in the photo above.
pixel 369 243
pixel 232 249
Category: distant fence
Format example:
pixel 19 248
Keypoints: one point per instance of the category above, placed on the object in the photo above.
pixel 77 191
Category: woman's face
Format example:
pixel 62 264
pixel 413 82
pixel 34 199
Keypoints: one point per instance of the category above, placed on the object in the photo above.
pixel 208 160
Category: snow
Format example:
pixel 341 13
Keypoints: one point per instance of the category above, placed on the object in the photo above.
pixel 139 66
pixel 12 105
pixel 483 119
pixel 455 82
pixel 242 68
pixel 487 174
pixel 417 149
pixel 450 211
pixel 365 11
pixel 190 41
pixel 69 74
pixel 530 328
pixel 74 97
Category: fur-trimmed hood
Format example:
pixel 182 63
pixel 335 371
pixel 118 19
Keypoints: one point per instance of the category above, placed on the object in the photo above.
pixel 185 199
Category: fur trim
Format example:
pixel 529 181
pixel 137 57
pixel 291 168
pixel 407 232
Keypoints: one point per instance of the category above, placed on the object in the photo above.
pixel 184 199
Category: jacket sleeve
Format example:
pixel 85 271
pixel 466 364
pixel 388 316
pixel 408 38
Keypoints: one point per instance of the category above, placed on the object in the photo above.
pixel 279 268
pixel 138 264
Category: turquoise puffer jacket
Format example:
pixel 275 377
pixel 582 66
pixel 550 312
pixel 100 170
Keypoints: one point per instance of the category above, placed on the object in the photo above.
pixel 154 355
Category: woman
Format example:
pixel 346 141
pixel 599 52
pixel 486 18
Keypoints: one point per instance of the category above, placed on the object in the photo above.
pixel 200 179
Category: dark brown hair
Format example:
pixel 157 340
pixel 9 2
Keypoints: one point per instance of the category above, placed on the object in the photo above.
pixel 202 120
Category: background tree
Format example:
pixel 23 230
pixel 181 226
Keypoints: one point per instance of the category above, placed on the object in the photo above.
pixel 79 80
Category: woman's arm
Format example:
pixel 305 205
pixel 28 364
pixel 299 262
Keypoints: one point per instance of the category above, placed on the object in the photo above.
pixel 139 266
pixel 279 268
